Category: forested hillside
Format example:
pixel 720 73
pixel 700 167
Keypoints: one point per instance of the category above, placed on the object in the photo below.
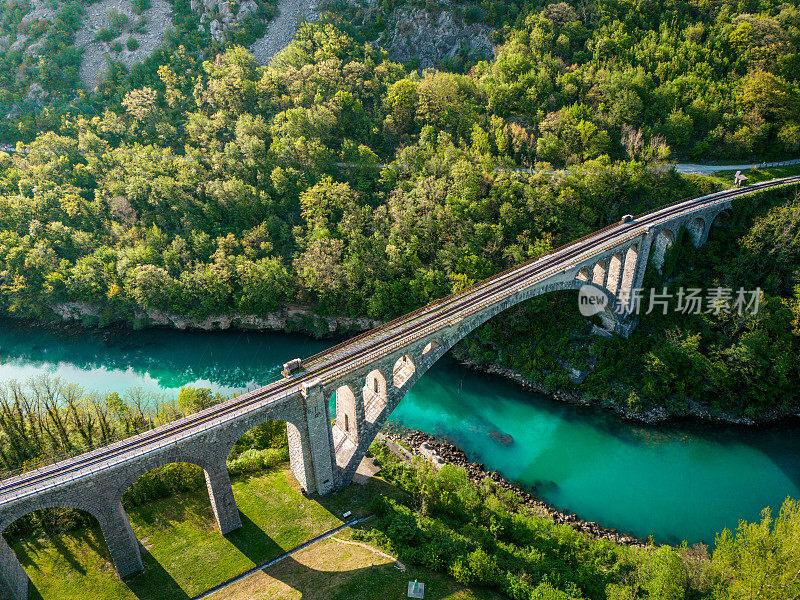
pixel 220 186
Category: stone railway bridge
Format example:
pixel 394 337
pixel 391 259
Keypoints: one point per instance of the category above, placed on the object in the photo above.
pixel 369 375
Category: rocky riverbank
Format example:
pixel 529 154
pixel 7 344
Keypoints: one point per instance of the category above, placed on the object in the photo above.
pixel 658 415
pixel 453 455
pixel 289 319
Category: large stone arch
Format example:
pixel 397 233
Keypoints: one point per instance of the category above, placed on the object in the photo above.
pixel 106 509
pixel 218 484
pixel 614 278
pixel 12 569
pixel 431 349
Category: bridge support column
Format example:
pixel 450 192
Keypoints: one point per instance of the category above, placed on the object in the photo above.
pixel 13 579
pixel 220 492
pixel 320 439
pixel 120 539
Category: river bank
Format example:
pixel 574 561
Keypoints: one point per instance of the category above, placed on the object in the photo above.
pixel 453 455
pixel 658 415
pixel 302 320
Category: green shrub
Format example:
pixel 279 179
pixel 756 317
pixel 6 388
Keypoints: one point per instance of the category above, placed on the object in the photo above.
pixel 117 19
pixel 132 44
pixel 253 461
pixel 104 35
pixel 116 47
pixel 140 5
pixel 163 482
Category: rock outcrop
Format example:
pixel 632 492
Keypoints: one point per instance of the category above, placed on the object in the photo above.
pixel 432 37
pixel 216 16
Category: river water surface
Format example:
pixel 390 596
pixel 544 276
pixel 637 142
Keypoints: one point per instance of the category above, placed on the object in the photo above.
pixel 680 482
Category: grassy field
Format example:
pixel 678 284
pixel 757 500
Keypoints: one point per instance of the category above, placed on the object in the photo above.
pixel 185 553
pixel 337 570
pixel 725 178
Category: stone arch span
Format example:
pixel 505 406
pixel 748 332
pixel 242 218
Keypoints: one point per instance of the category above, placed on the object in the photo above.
pixel 8 559
pixel 429 351
pixel 115 528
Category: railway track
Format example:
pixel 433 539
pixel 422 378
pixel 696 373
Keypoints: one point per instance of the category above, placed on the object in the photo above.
pixel 383 340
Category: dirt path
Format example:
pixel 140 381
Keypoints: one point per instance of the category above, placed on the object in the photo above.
pixel 281 29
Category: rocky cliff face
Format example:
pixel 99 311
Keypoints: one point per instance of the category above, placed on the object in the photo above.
pixel 433 36
pixel 216 16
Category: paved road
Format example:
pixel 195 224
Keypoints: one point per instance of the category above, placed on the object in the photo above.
pixel 692 169
pixel 367 348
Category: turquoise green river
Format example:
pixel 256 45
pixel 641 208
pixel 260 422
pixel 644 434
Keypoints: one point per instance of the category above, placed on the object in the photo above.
pixel 675 483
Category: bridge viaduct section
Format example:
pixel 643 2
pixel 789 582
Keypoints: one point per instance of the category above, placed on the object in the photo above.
pixel 369 378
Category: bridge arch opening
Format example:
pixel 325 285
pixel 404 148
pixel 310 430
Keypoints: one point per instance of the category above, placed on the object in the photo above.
pixel 346 415
pixel 111 538
pixel 599 273
pixel 629 271
pixel 429 348
pixel 375 396
pixel 404 368
pixel 696 228
pixel 583 274
pixel 664 240
pixel 614 273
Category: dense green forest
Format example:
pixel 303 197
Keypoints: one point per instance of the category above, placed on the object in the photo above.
pixel 736 365
pixel 217 186
pixel 482 536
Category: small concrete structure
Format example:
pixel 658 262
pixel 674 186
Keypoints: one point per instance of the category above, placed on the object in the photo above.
pixel 739 179
pixel 416 589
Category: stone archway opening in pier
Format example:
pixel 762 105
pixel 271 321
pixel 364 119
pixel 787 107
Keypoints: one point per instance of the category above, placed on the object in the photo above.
pixel 346 413
pixel 427 351
pixel 614 273
pixel 629 270
pixel 404 368
pixel 663 242
pixel 583 274
pixel 696 228
pixel 375 396
pixel 599 273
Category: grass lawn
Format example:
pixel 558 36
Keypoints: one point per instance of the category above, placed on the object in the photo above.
pixel 185 553
pixel 333 570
